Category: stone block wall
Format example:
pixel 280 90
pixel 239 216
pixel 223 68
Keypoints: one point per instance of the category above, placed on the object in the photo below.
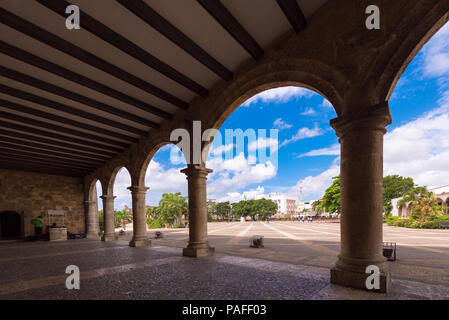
pixel 33 194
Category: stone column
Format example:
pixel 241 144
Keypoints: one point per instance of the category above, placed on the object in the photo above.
pixel 140 237
pixel 108 216
pixel 91 219
pixel 198 245
pixel 361 168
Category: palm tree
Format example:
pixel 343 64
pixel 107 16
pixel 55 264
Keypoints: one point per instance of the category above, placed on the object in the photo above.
pixel 423 203
pixel 172 207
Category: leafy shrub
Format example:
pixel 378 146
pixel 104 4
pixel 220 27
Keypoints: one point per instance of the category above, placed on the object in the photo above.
pixel 444 218
pixel 155 223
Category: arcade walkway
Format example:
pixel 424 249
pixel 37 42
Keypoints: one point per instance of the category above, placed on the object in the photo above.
pixel 113 270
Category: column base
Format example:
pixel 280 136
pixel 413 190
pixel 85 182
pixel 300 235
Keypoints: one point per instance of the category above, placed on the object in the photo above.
pixel 109 237
pixel 198 252
pixel 93 236
pixel 357 280
pixel 144 242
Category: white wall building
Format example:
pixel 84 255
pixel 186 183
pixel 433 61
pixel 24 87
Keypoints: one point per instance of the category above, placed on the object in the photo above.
pixel 442 194
pixel 287 205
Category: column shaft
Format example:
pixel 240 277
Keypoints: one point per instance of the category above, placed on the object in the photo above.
pixel 91 220
pixel 361 168
pixel 108 216
pixel 140 236
pixel 198 244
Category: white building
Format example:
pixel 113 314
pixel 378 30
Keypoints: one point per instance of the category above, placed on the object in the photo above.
pixel 442 194
pixel 287 205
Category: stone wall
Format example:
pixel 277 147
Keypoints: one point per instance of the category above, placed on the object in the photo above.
pixel 33 194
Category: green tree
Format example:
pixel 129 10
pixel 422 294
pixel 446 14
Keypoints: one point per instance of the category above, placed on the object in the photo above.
pixel 172 207
pixel 223 209
pixel 264 208
pixel 250 208
pixel 123 217
pixel 331 199
pixel 154 218
pixel 101 219
pixel 424 205
pixel 394 186
pixel 317 206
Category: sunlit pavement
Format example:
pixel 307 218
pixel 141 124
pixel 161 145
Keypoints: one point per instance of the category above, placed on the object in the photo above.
pixel 421 254
pixel 294 264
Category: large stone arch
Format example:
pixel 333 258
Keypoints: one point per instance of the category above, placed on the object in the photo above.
pixel 142 167
pixel 306 73
pixel 413 32
pixel 109 187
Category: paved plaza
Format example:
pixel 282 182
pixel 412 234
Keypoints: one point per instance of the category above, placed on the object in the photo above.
pixel 294 264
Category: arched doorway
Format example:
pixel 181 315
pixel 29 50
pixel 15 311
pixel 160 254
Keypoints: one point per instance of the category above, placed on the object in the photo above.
pixel 10 225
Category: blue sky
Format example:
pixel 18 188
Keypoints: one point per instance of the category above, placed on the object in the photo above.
pixel 416 145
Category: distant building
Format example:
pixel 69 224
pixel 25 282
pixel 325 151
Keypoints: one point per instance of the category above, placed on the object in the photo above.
pixel 404 211
pixel 287 205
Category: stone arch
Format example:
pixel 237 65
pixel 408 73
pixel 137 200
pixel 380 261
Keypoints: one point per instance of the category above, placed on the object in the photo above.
pixel 421 26
pixel 91 189
pixel 109 187
pixel 305 73
pixel 143 166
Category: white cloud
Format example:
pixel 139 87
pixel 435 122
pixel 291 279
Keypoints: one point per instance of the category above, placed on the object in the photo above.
pixel 326 104
pixel 263 144
pixel 282 94
pixel 420 149
pixel 436 54
pixel 236 174
pixel 333 150
pixel 121 184
pixel 238 196
pixel 162 180
pixel 304 133
pixel 308 112
pixel 314 186
pixel 281 125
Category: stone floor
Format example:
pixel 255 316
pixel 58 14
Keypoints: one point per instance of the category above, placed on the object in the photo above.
pixel 293 265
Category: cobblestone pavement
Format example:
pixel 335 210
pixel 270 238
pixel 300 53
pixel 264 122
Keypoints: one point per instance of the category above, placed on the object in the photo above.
pixel 293 265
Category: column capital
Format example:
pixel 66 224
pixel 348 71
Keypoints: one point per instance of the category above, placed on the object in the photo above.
pixel 193 170
pixel 138 189
pixel 373 118
pixel 108 197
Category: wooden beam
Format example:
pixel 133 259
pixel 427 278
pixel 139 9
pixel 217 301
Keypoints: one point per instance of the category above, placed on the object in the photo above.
pixel 27 150
pixel 33 161
pixel 293 13
pixel 46 144
pixel 42 169
pixel 50 116
pixel 48 66
pixel 34 82
pixel 67 109
pixel 52 135
pixel 222 15
pixel 39 157
pixel 34 31
pixel 100 30
pixel 49 126
pixel 151 17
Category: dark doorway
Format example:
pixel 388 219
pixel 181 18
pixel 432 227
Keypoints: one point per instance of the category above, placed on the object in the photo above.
pixel 10 225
